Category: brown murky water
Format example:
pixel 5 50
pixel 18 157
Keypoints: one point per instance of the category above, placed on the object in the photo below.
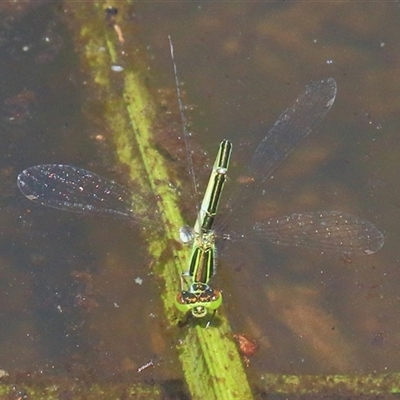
pixel 69 300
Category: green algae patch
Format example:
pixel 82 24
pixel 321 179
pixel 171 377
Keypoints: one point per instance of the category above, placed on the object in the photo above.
pixel 372 384
pixel 38 388
pixel 211 364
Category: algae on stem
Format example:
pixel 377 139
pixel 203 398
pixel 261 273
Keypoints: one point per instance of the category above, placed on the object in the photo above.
pixel 211 363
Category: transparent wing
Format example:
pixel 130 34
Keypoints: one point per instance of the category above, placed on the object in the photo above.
pixel 292 127
pixel 327 231
pixel 287 134
pixel 75 189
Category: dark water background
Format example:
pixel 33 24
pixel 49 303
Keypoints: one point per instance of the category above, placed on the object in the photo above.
pixel 68 296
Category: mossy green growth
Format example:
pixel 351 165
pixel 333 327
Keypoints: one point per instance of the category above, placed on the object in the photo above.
pixel 372 384
pixel 211 364
pixel 40 388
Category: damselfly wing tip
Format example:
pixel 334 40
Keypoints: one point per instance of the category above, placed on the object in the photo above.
pixel 378 240
pixel 23 183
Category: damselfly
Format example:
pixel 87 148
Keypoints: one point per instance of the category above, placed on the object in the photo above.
pixel 78 190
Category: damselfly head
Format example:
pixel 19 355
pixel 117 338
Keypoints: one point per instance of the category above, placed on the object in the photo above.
pixel 199 300
pixel 199 312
